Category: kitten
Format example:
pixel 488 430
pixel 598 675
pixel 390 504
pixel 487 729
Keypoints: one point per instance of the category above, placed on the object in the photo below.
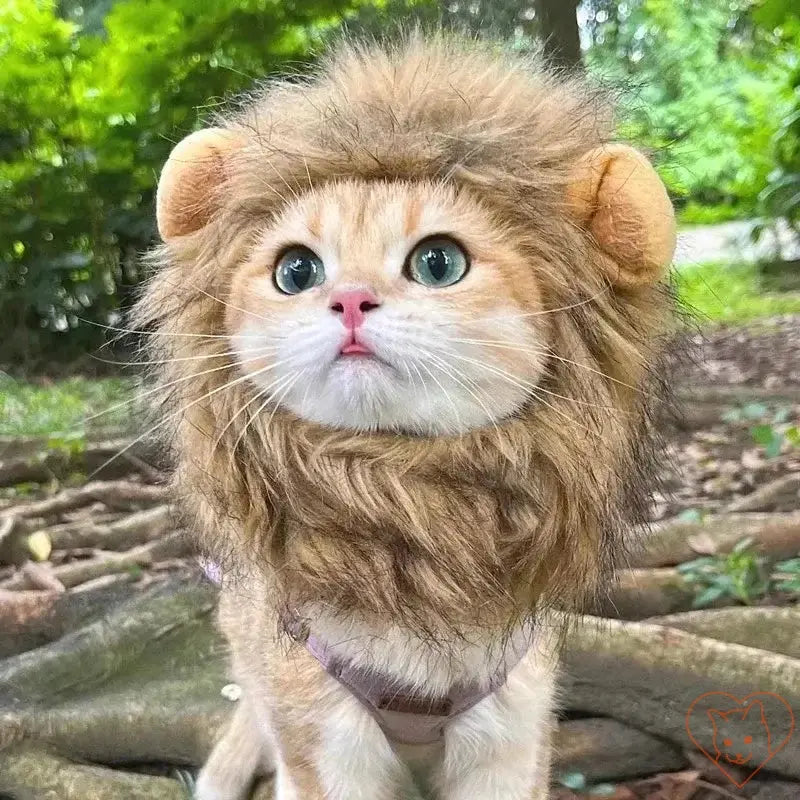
pixel 408 311
pixel 739 733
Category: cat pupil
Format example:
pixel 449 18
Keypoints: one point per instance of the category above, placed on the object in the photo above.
pixel 301 270
pixel 437 262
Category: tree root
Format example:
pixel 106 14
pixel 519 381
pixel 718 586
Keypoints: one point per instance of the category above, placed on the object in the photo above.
pixel 765 627
pixel 642 593
pixel 28 773
pixel 648 676
pixel 676 541
pixel 108 459
pixel 173 545
pixel 783 489
pixel 104 647
pixel 607 750
pixel 133 529
pixel 122 495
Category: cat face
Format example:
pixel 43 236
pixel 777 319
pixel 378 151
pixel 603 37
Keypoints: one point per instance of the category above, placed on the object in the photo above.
pixel 389 306
pixel 739 733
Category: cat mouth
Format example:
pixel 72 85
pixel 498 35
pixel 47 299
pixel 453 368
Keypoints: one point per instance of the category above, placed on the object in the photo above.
pixel 354 348
pixel 739 760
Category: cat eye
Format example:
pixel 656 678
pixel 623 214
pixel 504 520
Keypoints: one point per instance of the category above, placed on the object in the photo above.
pixel 298 269
pixel 437 261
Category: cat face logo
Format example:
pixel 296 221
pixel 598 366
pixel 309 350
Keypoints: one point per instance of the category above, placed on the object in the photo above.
pixel 740 736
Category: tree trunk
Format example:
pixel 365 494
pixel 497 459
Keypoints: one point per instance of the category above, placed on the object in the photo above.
pixel 558 27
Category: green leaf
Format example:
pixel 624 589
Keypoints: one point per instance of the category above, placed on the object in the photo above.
pixel 772 13
pixel 782 415
pixel 603 790
pixel 762 434
pixel 697 565
pixel 573 780
pixel 707 597
pixel 754 411
pixel 743 545
pixel 773 449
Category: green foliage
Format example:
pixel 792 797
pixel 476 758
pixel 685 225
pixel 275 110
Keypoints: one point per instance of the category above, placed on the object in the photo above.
pixel 60 410
pixel 780 198
pixel 707 100
pixel 576 781
pixel 730 293
pixel 93 93
pixel 741 576
pixel 786 576
pixel 88 117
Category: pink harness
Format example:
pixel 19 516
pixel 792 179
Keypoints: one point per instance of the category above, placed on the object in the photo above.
pixel 403 715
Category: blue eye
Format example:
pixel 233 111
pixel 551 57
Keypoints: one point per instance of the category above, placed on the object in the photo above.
pixel 299 269
pixel 437 262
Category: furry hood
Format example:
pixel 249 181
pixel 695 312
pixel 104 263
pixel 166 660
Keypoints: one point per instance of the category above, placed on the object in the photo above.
pixel 428 531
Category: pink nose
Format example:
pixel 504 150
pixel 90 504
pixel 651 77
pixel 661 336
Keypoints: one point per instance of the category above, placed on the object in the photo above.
pixel 353 304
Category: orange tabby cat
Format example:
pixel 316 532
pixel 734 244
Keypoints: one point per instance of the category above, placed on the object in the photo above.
pixel 407 310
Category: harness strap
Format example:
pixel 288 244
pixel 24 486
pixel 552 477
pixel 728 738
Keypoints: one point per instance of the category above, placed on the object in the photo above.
pixel 405 716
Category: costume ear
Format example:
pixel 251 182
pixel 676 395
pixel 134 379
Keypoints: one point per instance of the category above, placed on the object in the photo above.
pixel 618 197
pixel 188 190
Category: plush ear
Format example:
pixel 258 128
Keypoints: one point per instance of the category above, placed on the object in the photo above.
pixel 618 197
pixel 188 190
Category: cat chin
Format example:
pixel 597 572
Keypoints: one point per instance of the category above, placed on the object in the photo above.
pixel 368 397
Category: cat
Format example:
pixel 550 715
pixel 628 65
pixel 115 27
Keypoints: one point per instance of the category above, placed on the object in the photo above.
pixel 407 315
pixel 739 733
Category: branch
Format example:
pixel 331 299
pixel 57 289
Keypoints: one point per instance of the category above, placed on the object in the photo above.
pixel 27 773
pixel 173 545
pixel 122 495
pixel 675 541
pixel 648 676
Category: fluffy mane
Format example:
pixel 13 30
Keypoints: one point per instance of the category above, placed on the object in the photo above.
pixel 428 531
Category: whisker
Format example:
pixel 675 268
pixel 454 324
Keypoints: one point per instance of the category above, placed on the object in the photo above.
pixel 422 383
pixel 522 384
pixel 264 351
pixel 175 414
pixel 537 387
pixel 286 391
pixel 268 391
pixel 462 381
pixel 244 406
pixel 166 333
pixel 283 179
pixel 444 392
pixel 141 395
pixel 550 354
pixel 577 304
pixel 266 402
pixel 230 305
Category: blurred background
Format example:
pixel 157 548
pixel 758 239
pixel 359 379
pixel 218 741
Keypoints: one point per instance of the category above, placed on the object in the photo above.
pixel 94 94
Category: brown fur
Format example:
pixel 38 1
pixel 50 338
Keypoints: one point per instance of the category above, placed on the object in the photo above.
pixel 430 531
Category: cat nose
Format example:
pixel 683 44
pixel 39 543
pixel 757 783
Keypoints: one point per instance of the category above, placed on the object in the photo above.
pixel 353 304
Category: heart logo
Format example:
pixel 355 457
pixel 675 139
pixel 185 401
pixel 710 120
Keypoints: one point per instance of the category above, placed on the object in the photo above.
pixel 740 735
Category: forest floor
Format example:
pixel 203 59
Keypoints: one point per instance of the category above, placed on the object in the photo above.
pixel 113 682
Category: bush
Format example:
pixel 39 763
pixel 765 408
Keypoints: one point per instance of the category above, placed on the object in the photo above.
pixel 89 116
